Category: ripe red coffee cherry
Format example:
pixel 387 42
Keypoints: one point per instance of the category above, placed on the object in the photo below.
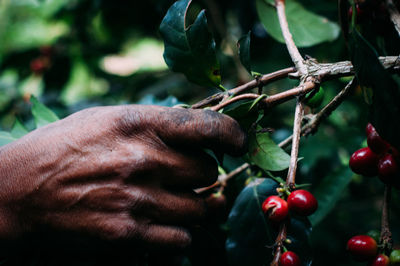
pixel 289 258
pixel 375 142
pixel 364 162
pixel 362 247
pixel 388 169
pixel 302 202
pixel 276 208
pixel 380 260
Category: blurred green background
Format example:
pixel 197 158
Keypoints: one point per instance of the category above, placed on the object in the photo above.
pixel 76 54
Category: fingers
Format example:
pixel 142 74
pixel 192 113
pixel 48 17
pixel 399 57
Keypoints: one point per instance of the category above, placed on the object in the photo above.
pixel 175 126
pixel 159 236
pixel 190 169
pixel 122 226
pixel 156 204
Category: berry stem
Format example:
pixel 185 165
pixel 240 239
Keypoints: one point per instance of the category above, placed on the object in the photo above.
pixel 386 236
pixel 279 244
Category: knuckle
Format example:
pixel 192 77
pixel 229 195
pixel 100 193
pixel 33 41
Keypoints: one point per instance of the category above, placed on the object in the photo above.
pixel 120 229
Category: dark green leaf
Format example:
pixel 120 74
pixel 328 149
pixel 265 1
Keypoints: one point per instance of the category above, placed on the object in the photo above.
pixel 18 130
pixel 41 113
pixel 244 51
pixel 250 234
pixel 244 114
pixel 266 154
pixel 329 191
pixel 190 50
pixel 6 138
pixel 375 80
pixel 307 28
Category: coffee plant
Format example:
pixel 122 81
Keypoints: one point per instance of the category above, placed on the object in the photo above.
pixel 267 206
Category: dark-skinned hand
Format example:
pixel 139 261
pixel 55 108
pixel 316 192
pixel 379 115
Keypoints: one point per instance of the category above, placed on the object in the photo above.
pixel 123 172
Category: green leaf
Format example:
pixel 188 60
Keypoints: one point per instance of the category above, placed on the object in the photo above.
pixel 190 50
pixel 307 28
pixel 18 130
pixel 6 138
pixel 244 113
pixel 250 234
pixel 329 191
pixel 244 51
pixel 41 114
pixel 266 154
pixel 382 91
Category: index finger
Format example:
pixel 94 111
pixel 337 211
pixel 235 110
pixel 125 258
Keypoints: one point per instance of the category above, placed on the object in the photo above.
pixel 202 128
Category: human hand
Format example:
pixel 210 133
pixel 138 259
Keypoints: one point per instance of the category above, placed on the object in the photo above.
pixel 123 172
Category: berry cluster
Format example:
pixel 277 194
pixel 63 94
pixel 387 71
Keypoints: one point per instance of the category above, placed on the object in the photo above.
pixel 365 248
pixel 378 159
pixel 299 202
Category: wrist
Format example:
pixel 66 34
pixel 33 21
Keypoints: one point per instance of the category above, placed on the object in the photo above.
pixel 9 224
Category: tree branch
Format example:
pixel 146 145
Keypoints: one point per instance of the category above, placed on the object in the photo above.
pixel 326 71
pixel 287 36
pixel 263 80
pixel 270 100
pixel 394 15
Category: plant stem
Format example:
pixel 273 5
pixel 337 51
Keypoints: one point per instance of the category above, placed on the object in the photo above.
pixel 279 244
pixel 294 154
pixel 264 80
pixel 287 36
pixel 326 71
pixel 271 100
pixel 386 236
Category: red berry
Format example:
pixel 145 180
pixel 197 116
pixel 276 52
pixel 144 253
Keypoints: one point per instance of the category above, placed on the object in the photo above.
pixel 302 202
pixel 380 260
pixel 388 169
pixel 364 162
pixel 276 208
pixel 362 247
pixel 289 258
pixel 375 142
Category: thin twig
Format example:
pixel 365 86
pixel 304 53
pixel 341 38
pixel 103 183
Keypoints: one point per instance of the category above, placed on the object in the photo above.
pixel 294 154
pixel 394 15
pixel 223 179
pixel 270 100
pixel 279 244
pixel 312 125
pixel 264 80
pixel 386 236
pixel 287 36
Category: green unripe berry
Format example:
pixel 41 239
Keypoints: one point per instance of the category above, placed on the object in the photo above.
pixel 314 100
pixel 375 234
pixel 395 257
